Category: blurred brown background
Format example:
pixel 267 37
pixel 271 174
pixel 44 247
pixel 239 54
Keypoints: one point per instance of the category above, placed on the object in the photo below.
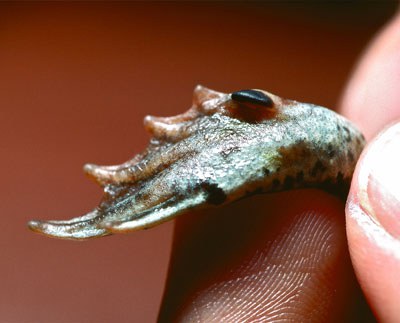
pixel 76 81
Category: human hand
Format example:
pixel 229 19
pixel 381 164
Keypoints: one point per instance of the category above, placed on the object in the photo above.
pixel 284 256
pixel 373 210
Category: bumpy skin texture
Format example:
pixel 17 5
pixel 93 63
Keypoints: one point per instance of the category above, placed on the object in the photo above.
pixel 225 147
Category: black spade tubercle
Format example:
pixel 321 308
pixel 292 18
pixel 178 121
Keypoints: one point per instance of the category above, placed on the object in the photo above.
pixel 252 97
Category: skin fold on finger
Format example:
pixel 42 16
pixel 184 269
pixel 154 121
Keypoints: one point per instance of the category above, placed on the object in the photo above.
pixel 373 223
pixel 272 257
pixel 372 97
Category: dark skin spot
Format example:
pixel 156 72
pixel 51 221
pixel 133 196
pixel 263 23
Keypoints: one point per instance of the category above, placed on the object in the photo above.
pixel 331 151
pixel 215 195
pixel 288 182
pixel 253 97
pixel 339 190
pixel 340 178
pixel 226 152
pixel 300 176
pixel 339 187
pixel 318 167
pixel 347 134
pixel 350 155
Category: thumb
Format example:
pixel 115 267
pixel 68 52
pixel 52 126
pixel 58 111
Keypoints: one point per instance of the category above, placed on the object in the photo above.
pixel 373 224
pixel 372 100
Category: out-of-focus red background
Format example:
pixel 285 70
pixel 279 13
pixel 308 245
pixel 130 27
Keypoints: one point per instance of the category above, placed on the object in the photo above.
pixel 76 81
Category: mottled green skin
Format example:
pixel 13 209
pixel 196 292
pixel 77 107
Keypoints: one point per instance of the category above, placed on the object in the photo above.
pixel 217 152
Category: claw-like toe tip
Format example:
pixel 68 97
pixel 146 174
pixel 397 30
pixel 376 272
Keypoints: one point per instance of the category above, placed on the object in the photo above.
pixel 90 169
pixel 42 227
pixel 35 226
pixel 79 228
pixel 95 172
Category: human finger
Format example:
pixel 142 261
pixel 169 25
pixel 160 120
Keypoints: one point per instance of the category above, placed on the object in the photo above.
pixel 372 100
pixel 372 97
pixel 281 256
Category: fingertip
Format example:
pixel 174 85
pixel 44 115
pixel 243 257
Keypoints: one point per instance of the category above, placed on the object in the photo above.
pixel 268 257
pixel 373 223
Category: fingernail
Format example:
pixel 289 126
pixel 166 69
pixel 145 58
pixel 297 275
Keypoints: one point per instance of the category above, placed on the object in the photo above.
pixel 379 180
